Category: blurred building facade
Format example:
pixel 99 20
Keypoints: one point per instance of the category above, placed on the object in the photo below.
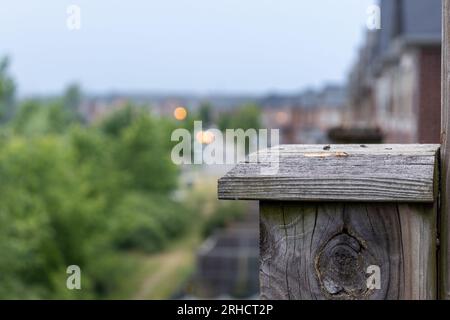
pixel 306 117
pixel 395 84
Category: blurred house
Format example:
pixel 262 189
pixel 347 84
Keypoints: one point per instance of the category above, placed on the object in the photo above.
pixel 96 108
pixel 305 118
pixel 277 113
pixel 395 84
pixel 161 104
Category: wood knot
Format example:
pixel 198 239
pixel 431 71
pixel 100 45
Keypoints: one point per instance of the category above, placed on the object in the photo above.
pixel 341 267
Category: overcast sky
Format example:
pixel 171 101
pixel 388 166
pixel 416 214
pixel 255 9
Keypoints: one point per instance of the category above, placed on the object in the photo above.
pixel 204 46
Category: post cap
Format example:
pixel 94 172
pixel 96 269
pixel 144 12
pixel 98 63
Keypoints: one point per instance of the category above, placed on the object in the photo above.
pixel 366 173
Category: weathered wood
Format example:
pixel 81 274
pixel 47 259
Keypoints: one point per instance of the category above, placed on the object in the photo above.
pixel 445 158
pixel 323 250
pixel 374 173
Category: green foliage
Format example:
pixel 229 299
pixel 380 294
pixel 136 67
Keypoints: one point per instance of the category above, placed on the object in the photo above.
pixel 157 220
pixel 119 120
pixel 246 117
pixel 46 227
pixel 72 98
pixel 95 157
pixel 140 144
pixel 37 118
pixel 7 90
pixel 80 195
pixel 205 114
pixel 225 213
pixel 225 122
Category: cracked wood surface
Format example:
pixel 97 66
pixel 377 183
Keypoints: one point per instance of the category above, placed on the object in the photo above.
pixel 373 173
pixel 322 251
pixel 445 158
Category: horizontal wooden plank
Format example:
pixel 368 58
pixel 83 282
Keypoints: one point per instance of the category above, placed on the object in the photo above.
pixel 393 173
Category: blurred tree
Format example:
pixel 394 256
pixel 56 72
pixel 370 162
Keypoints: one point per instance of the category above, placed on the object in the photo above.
pixel 75 195
pixel 224 214
pixel 120 119
pixel 205 114
pixel 47 218
pixel 95 156
pixel 247 116
pixel 71 101
pixel 143 148
pixel 72 97
pixel 7 90
pixel 35 117
pixel 144 154
pixel 156 220
pixel 25 119
pixel 225 121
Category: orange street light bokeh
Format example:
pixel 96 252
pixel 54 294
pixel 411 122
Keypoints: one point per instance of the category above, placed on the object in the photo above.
pixel 180 113
pixel 205 137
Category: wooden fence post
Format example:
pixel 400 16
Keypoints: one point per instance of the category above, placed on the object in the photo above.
pixel 343 221
pixel 444 264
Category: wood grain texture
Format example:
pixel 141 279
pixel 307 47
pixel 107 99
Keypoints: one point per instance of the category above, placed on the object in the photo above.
pixel 322 251
pixel 375 173
pixel 445 159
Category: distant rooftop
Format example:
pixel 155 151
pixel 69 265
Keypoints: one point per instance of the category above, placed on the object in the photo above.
pixel 409 21
pixel 403 23
pixel 329 96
